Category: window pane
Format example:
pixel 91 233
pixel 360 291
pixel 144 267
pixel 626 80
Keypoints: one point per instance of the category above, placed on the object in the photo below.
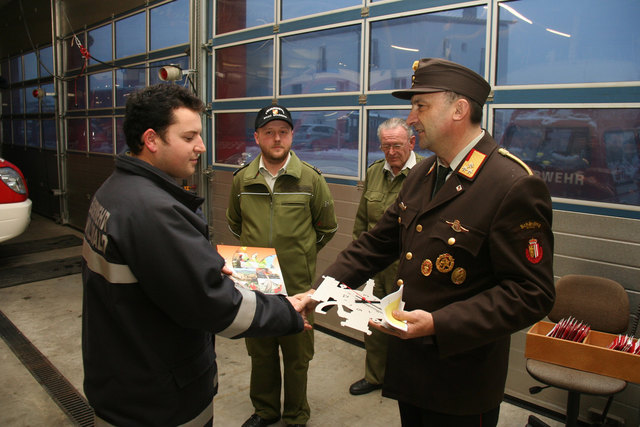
pixel 234 138
pixel 374 119
pixel 232 15
pixel 6 101
pixel 457 35
pixel 76 94
pixel 30 66
pixel 321 62
pixel 48 103
pixel 18 133
pixel 33 133
pixel 31 102
pixel 182 62
pixel 131 35
pixel 17 101
pixel 128 80
pixel 16 69
pixel 5 69
pixel 328 140
pixel 297 8
pixel 101 135
pixel 77 134
pixel 46 62
pixel 245 70
pixel 586 154
pixel 571 41
pixel 99 41
pixel 74 56
pixel 169 24
pixel 100 88
pixel 6 131
pixel 49 134
pixel 121 141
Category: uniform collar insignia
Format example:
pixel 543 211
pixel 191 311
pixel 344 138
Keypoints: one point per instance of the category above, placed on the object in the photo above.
pixel 472 164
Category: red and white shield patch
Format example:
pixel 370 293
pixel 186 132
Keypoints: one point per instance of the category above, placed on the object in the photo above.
pixel 534 251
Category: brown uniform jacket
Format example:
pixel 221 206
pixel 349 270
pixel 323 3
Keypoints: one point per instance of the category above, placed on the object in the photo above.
pixel 479 258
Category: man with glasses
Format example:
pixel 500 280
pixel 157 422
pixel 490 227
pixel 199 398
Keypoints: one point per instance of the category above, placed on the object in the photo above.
pixel 381 186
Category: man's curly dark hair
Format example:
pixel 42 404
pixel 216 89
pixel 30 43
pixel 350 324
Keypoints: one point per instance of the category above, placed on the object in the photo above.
pixel 152 108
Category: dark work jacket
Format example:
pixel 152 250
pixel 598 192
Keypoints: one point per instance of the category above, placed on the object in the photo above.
pixel 154 297
pixel 479 258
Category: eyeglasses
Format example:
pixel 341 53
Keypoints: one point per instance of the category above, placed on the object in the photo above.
pixel 387 147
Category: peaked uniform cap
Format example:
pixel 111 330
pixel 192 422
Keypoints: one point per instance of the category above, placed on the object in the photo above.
pixel 438 75
pixel 273 112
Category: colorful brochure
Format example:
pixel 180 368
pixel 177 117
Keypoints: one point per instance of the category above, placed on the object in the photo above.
pixel 254 268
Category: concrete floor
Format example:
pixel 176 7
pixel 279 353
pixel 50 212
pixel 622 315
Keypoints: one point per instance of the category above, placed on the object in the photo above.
pixel 48 313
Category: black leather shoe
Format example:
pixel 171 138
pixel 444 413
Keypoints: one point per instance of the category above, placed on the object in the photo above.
pixel 256 420
pixel 363 387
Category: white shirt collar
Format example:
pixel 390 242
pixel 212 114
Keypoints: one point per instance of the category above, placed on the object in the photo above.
pixel 268 176
pixel 411 162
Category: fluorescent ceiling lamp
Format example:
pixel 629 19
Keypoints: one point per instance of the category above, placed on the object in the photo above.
pixel 516 13
pixel 408 49
pixel 558 32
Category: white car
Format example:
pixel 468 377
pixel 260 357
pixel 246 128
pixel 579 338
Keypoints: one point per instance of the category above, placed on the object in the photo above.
pixel 15 205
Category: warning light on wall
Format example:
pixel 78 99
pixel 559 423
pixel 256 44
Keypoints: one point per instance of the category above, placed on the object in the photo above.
pixel 170 73
pixel 38 93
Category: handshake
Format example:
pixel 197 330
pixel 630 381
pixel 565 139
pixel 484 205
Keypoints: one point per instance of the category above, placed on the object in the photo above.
pixel 304 304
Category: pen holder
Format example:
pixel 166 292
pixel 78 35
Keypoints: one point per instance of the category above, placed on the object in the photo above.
pixel 592 355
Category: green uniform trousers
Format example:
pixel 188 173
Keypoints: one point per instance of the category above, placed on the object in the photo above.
pixel 297 351
pixel 376 343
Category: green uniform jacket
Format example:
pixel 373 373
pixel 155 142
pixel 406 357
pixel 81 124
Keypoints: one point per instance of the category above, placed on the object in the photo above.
pixel 297 218
pixel 377 195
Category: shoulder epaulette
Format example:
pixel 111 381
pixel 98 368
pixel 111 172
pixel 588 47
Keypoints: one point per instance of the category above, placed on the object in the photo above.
pixel 319 172
pixel 240 168
pixel 515 158
pixel 376 162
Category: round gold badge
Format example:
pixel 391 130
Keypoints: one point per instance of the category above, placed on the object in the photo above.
pixel 444 263
pixel 459 275
pixel 426 267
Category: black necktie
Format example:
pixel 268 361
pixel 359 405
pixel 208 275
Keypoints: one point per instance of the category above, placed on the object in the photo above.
pixel 441 176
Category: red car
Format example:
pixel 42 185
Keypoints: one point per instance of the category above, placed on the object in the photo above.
pixel 15 206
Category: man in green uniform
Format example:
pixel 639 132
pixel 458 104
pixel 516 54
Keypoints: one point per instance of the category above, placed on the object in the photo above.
pixel 279 201
pixel 381 186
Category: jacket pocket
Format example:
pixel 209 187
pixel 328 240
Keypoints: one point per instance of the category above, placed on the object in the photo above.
pixel 375 205
pixel 465 237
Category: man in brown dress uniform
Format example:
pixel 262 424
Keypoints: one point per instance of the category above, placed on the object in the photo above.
pixel 475 249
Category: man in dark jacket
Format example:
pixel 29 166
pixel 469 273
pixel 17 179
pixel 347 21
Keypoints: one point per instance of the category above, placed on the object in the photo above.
pixel 472 228
pixel 155 290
